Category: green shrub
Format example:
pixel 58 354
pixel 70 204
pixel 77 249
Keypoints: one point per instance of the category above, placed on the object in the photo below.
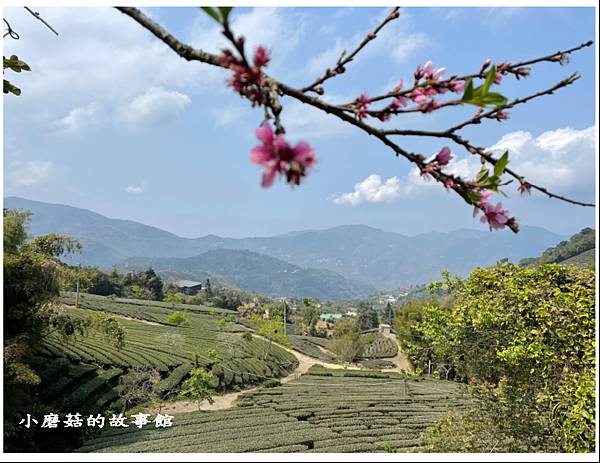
pixel 178 318
pixel 271 383
pixel 525 338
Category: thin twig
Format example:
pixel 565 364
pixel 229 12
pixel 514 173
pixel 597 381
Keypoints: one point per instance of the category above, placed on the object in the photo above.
pixel 36 15
pixel 340 66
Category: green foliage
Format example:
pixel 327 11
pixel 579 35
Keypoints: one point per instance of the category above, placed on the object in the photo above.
pixel 481 96
pixel 16 65
pixel 473 431
pixel 143 285
pixel 525 338
pixel 108 326
pixel 347 343
pixel 174 298
pixel 15 231
pixel 309 316
pixel 367 319
pixel 178 318
pixel 344 326
pixel 273 330
pixel 485 181
pixel 31 282
pixel 198 387
pixel 219 14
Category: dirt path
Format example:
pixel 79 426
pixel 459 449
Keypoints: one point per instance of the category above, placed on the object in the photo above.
pixel 225 401
pixel 400 360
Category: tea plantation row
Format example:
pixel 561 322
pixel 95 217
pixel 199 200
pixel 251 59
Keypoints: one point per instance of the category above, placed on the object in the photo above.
pixel 316 413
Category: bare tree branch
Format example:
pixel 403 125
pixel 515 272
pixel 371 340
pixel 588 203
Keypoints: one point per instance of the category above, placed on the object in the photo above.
pixel 183 50
pixel 462 187
pixel 36 15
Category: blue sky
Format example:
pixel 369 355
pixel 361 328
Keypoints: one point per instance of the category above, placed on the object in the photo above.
pixel 111 120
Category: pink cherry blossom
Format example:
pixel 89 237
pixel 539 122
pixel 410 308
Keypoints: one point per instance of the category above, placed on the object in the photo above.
pixel 278 157
pixel 437 74
pixel 429 106
pixel 524 188
pixel 456 86
pixel 246 80
pixel 363 106
pixel 398 102
pixel 495 216
pixel 261 57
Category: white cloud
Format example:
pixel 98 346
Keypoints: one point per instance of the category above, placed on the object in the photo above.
pixel 374 190
pixel 100 51
pixel 78 119
pixel 561 160
pixel 29 173
pixel 156 106
pixel 135 189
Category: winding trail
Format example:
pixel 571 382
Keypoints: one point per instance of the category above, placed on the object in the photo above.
pixel 400 360
pixel 225 401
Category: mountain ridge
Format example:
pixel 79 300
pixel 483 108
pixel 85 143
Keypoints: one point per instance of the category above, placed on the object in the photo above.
pixel 360 253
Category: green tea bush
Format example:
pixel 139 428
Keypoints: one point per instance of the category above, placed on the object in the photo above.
pixel 525 338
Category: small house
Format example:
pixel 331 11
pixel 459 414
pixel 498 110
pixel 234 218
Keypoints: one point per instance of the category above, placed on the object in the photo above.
pixel 330 317
pixel 188 287
pixel 384 328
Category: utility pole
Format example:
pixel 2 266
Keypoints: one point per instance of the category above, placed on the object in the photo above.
pixel 77 293
pixel 284 317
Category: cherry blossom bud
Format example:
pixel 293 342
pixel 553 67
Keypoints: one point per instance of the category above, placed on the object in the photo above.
pixel 444 156
pixel 501 116
pixel 449 184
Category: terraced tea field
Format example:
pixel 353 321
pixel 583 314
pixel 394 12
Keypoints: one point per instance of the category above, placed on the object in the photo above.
pixel 380 347
pixel 218 347
pixel 154 311
pixel 315 413
pixel 313 347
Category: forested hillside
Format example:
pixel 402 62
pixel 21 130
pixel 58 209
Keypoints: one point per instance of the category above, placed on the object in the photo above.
pixel 579 250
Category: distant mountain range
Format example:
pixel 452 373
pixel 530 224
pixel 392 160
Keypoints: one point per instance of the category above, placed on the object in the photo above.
pixel 357 258
pixel 255 272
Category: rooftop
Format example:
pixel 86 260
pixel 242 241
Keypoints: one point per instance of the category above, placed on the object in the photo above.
pixel 186 283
